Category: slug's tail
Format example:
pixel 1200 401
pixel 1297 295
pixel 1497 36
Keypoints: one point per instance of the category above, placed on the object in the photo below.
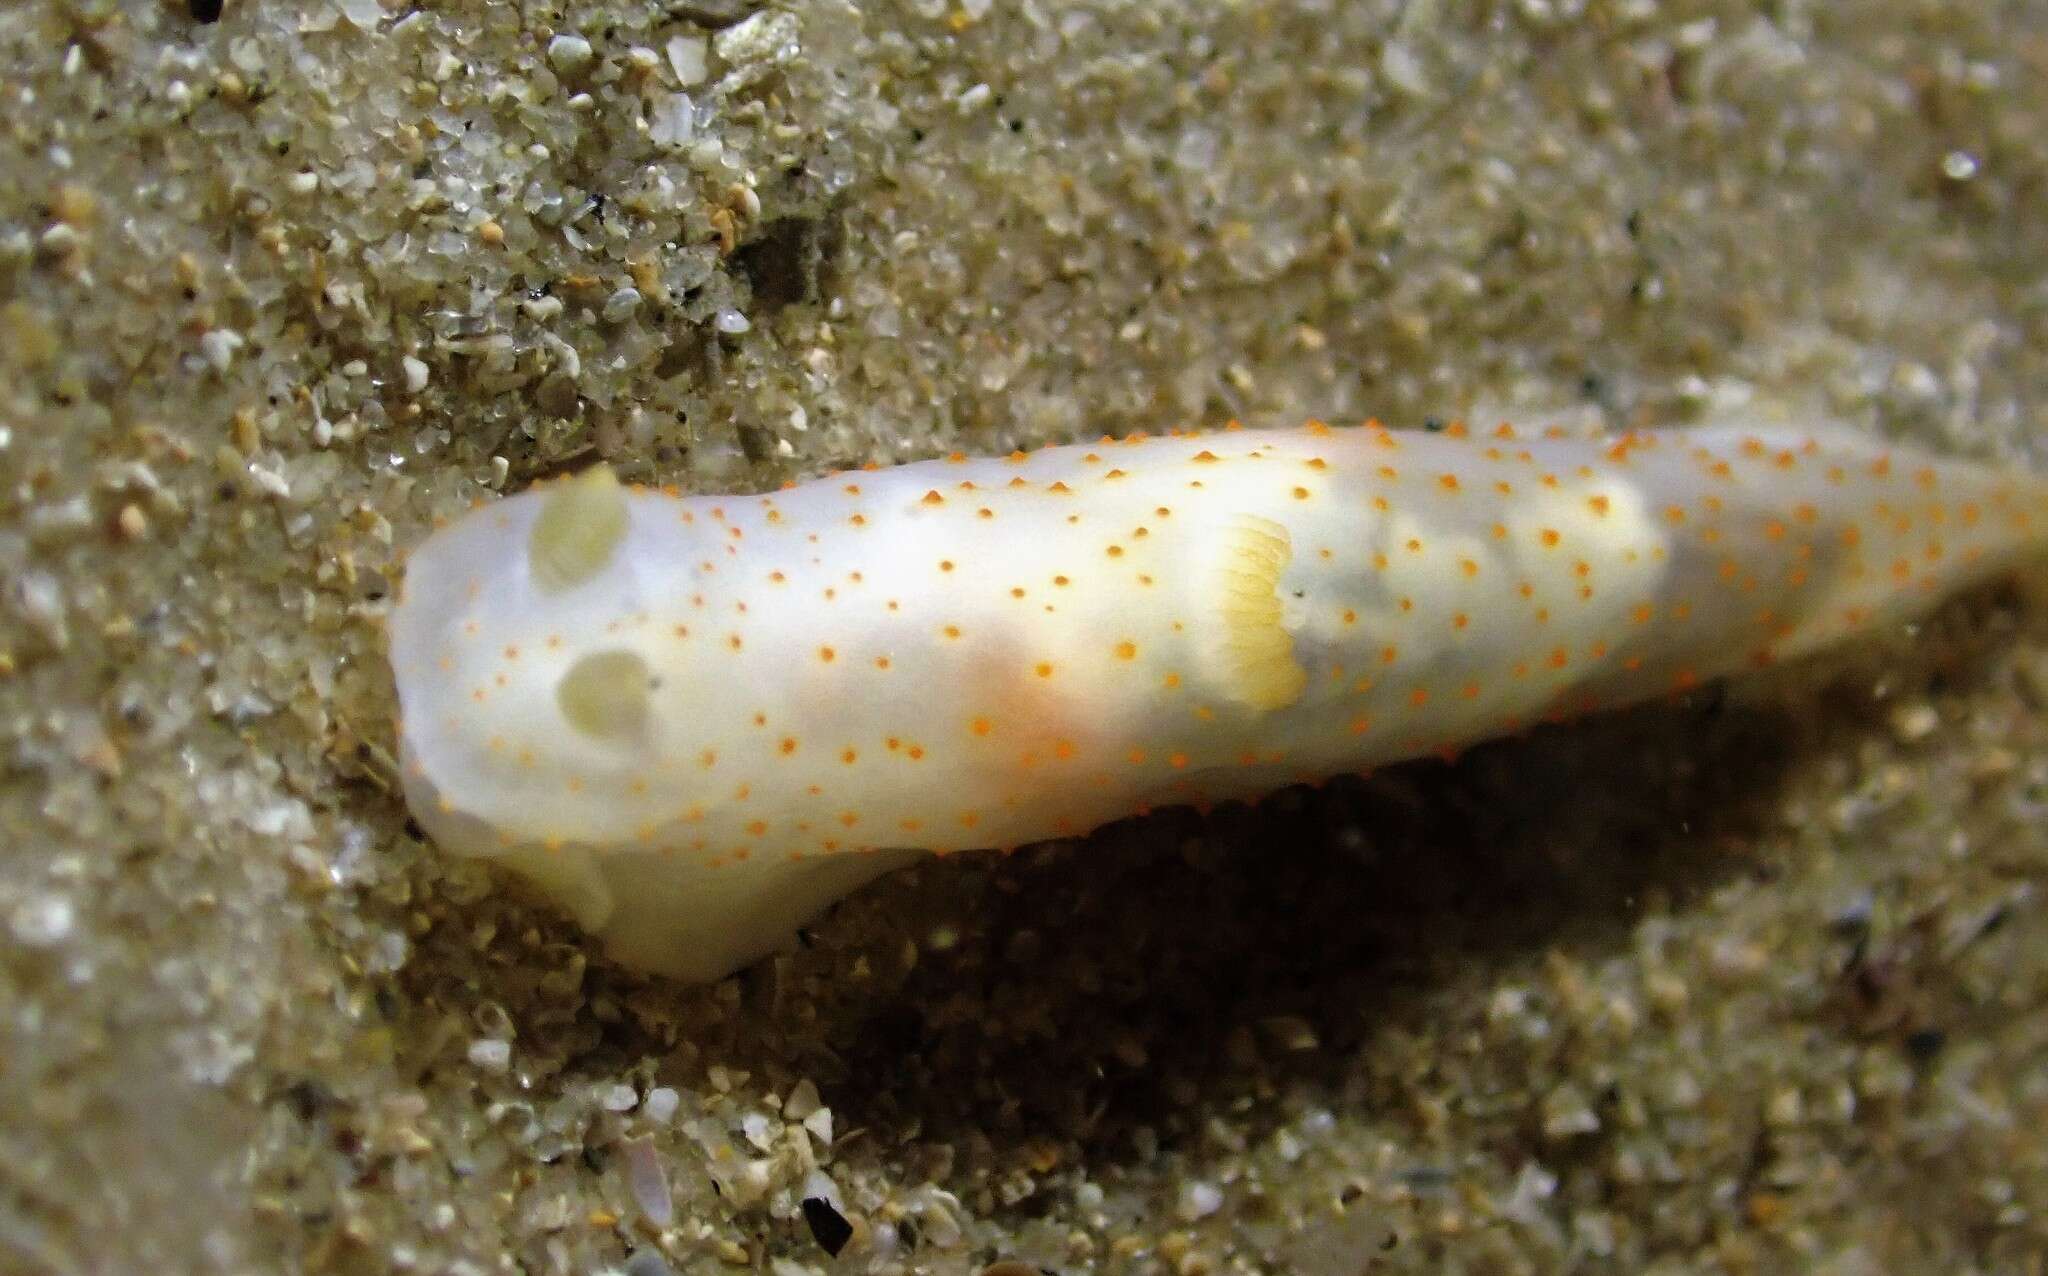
pixel 1913 529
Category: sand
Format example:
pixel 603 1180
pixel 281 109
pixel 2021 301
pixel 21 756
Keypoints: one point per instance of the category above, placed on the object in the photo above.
pixel 1753 981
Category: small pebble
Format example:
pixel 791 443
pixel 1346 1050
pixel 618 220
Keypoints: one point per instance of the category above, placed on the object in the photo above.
pixel 828 1226
pixel 218 348
pixel 1733 960
pixel 686 55
pixel 819 1124
pixel 648 1262
pixel 491 1054
pixel 58 243
pixel 620 1098
pixel 569 52
pixel 1567 1115
pixel 1198 1200
pixel 74 205
pixel 1912 723
pixel 1959 166
pixel 43 921
pixel 649 1182
pixel 621 305
pixel 802 1100
pixel 1404 70
pixel 766 37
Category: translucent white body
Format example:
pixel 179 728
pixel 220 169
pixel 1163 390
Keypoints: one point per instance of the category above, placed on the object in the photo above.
pixel 698 721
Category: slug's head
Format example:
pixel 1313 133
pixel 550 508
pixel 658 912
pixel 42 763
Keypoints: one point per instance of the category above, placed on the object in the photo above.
pixel 562 716
pixel 538 699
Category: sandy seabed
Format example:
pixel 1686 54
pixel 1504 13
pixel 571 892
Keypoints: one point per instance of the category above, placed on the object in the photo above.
pixel 1755 981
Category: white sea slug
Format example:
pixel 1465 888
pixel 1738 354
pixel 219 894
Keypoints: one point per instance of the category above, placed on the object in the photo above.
pixel 698 721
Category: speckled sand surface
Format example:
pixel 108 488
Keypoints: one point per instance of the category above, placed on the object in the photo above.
pixel 1756 982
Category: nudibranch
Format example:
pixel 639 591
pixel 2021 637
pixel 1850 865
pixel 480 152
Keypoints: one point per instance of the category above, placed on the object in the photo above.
pixel 698 721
